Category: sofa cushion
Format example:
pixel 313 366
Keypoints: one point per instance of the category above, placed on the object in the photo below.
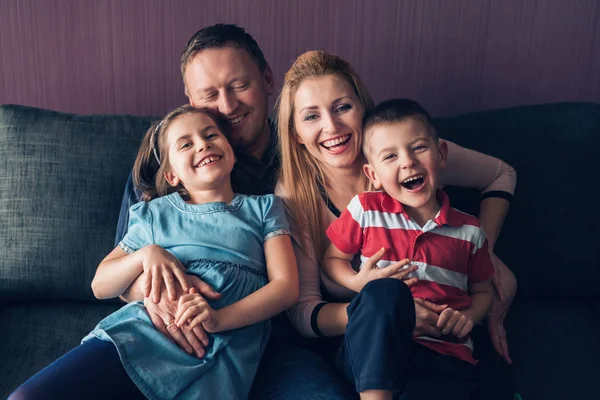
pixel 35 333
pixel 549 239
pixel 555 348
pixel 61 183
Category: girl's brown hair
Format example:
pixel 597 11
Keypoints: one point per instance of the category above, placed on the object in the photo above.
pixel 301 175
pixel 148 173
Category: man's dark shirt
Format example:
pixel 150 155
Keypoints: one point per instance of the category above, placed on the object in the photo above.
pixel 249 176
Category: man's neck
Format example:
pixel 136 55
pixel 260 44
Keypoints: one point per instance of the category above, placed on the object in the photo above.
pixel 259 147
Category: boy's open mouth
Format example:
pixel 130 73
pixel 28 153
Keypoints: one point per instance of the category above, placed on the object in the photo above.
pixel 413 182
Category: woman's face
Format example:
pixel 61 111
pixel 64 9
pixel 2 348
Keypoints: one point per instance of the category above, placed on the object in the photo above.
pixel 328 120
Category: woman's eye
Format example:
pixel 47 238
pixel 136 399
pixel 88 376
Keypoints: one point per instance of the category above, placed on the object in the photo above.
pixel 310 117
pixel 344 107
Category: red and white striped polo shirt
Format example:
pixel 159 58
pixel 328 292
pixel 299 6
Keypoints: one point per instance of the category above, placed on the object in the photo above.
pixel 451 251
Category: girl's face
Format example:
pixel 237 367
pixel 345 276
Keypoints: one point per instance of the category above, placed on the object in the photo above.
pixel 200 157
pixel 328 119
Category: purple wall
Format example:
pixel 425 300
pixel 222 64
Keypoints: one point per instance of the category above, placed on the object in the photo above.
pixel 121 56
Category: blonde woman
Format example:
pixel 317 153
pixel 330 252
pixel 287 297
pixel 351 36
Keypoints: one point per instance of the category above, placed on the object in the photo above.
pixel 319 114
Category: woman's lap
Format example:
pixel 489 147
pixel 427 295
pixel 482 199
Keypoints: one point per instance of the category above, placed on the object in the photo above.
pixel 92 370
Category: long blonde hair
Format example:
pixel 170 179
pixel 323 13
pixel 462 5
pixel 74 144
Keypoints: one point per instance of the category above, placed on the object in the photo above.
pixel 301 175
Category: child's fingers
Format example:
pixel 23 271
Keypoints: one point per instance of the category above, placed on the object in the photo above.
pixel 443 318
pixel 451 322
pixel 374 259
pixel 410 282
pixel 466 329
pixel 169 284
pixel 404 272
pixel 459 325
pixel 200 318
pixel 182 279
pixel 148 284
pixel 189 313
pixel 156 280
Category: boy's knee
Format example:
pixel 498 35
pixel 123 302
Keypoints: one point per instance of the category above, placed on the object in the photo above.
pixel 388 290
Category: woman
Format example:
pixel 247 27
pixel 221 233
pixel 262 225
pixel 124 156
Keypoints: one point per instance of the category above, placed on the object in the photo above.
pixel 320 112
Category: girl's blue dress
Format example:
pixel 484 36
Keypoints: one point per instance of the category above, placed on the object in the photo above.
pixel 223 245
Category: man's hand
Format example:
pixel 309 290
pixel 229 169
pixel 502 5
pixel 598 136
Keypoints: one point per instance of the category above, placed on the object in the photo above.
pixel 505 295
pixel 427 315
pixel 163 314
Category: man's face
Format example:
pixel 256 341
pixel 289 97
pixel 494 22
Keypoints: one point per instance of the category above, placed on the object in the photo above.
pixel 228 81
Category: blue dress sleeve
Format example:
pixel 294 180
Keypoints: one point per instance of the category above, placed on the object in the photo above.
pixel 139 231
pixel 275 222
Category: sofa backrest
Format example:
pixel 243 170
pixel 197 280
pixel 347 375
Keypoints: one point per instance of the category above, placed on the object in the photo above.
pixel 61 184
pixel 550 238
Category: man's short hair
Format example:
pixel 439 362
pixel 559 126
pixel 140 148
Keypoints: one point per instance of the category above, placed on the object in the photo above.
pixel 395 111
pixel 219 36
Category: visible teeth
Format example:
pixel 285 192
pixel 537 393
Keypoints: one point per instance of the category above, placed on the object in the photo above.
pixel 236 120
pixel 209 160
pixel 333 142
pixel 413 178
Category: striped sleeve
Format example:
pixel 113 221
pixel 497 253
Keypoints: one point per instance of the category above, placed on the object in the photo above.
pixel 480 262
pixel 346 232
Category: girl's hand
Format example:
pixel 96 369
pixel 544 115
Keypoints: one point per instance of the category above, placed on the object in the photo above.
pixel 370 271
pixel 161 266
pixel 455 322
pixel 195 309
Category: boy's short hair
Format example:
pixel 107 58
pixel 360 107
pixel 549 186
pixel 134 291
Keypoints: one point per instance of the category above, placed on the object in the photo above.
pixel 392 112
pixel 222 35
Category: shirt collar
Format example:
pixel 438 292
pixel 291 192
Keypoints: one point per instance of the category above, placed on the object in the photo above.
pixel 446 216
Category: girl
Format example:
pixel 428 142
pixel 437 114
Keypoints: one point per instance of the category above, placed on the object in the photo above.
pixel 238 244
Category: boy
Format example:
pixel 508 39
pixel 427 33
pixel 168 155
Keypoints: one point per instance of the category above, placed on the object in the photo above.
pixel 411 219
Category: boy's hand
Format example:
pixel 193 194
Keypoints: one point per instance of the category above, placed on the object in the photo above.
pixel 195 309
pixel 455 322
pixel 370 271
pixel 161 266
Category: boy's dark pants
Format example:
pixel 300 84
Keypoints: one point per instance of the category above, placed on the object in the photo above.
pixel 378 351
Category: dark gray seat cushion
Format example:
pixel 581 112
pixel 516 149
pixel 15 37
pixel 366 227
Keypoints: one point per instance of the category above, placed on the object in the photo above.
pixel 555 348
pixel 35 333
pixel 61 184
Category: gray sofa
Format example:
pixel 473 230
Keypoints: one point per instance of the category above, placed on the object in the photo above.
pixel 61 184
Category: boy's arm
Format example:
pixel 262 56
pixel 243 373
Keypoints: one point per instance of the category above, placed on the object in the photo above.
pixel 276 296
pixel 481 300
pixel 338 267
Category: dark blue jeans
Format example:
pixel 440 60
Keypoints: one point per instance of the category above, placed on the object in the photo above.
pixel 379 353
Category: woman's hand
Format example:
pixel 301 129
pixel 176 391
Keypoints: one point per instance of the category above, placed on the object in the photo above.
pixel 161 266
pixel 195 309
pixel 505 293
pixel 370 271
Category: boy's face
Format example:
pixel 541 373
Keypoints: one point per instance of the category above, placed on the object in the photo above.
pixel 405 160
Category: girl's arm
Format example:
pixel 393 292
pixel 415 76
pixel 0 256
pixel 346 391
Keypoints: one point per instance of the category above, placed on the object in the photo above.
pixel 116 272
pixel 276 296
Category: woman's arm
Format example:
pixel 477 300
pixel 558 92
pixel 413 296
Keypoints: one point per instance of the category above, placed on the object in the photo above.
pixel 276 296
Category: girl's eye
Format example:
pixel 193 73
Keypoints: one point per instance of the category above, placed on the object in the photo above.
pixel 343 108
pixel 389 157
pixel 185 145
